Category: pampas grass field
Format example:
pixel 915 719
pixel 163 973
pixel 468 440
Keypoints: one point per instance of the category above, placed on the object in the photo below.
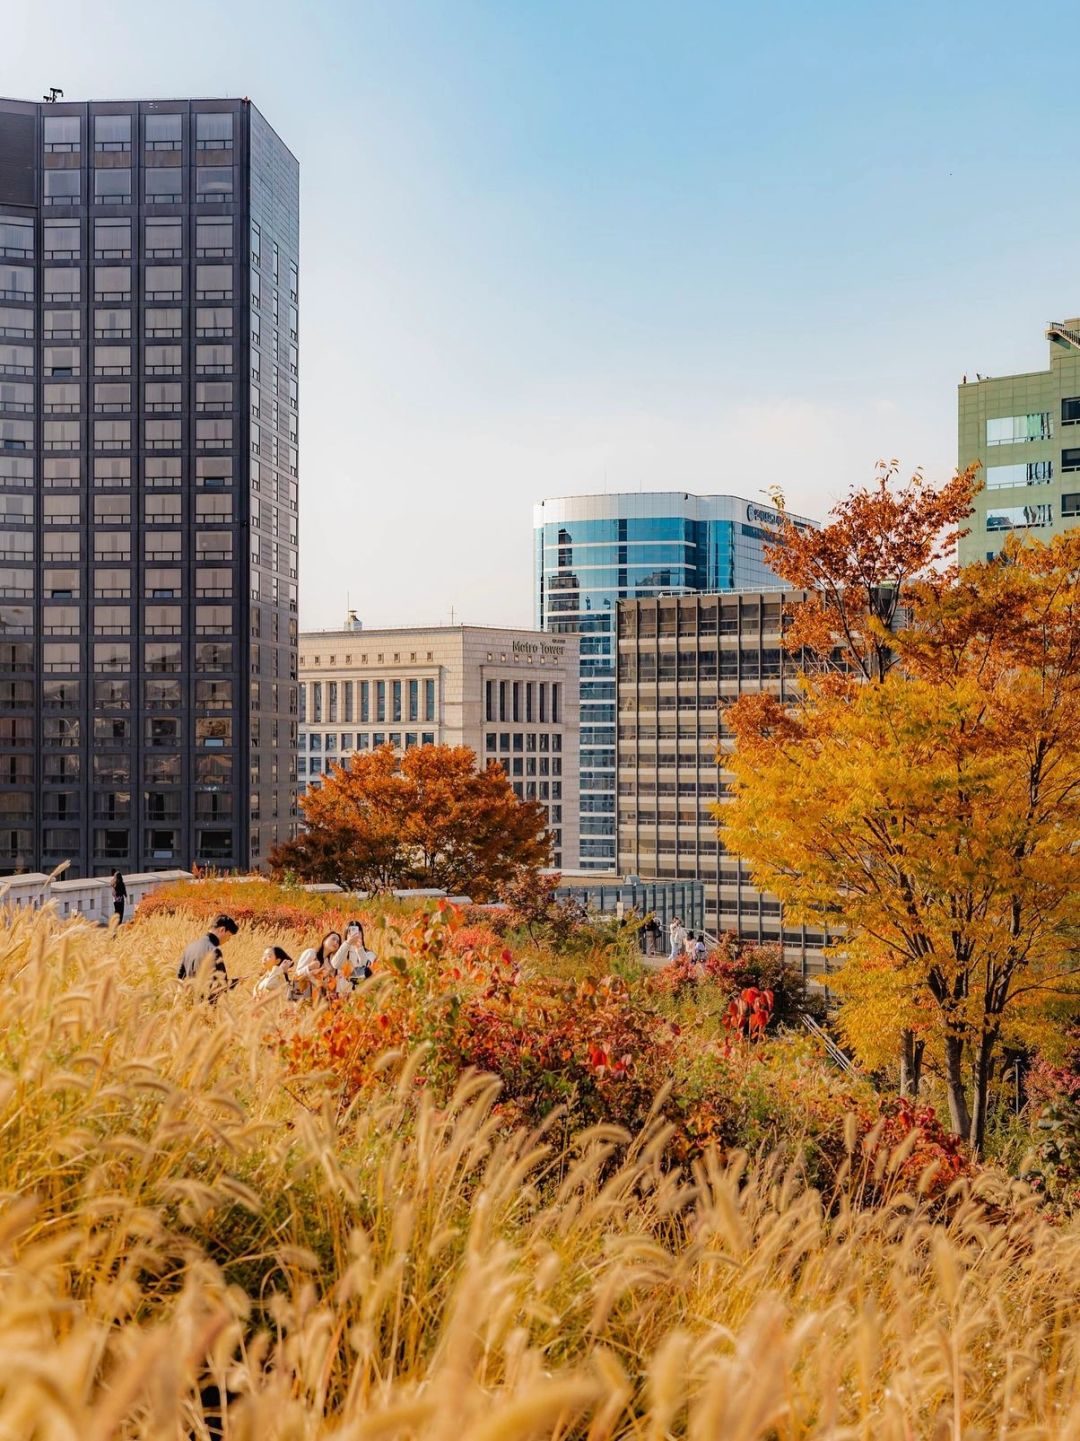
pixel 192 1244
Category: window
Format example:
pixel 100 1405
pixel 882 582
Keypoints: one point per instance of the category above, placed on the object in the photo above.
pixel 18 324
pixel 112 239
pixel 161 434
pixel 112 187
pixel 63 240
pixel 213 509
pixel 62 134
pixel 112 510
pixel 108 360
pixel 213 322
pixel 63 324
pixel 214 183
pixel 163 324
pixel 19 359
pixel 213 282
pixel 162 509
pixel 112 434
pixel 162 397
pixel 1070 504
pixel 213 434
pixel 112 283
pixel 16 434
pixel 61 284
pixel 162 359
pixel 17 281
pixel 213 359
pixel 59 399
pixel 163 282
pixel 62 434
pixel 1021 517
pixel 164 240
pixel 1035 472
pixel 1070 459
pixel 62 187
pixel 429 700
pixel 163 132
pixel 213 395
pixel 112 132
pixel 112 324
pixel 19 398
pixel 16 238
pixel 163 185
pixel 214 131
pixel 214 239
pixel 1016 429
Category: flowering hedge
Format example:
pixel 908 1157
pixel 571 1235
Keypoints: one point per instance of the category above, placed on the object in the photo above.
pixel 600 1050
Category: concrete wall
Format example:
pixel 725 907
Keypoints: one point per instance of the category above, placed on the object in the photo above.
pixel 90 898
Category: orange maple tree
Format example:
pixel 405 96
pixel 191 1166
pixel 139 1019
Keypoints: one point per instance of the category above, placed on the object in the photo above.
pixel 932 818
pixel 425 817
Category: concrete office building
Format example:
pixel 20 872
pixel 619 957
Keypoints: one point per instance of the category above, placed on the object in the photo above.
pixel 509 695
pixel 679 660
pixel 1024 431
pixel 149 293
pixel 593 551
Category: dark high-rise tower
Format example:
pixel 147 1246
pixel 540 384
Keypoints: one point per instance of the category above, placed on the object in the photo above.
pixel 149 293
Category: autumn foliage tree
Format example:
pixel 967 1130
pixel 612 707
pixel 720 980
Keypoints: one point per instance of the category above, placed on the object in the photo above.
pixel 932 817
pixel 426 817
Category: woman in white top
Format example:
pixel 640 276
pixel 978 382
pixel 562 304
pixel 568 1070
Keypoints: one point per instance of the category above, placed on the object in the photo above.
pixel 277 972
pixel 315 968
pixel 353 961
pixel 677 936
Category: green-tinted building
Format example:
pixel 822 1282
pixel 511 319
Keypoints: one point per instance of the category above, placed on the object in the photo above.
pixel 1024 430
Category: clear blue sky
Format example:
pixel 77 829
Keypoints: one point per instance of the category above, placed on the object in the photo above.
pixel 558 246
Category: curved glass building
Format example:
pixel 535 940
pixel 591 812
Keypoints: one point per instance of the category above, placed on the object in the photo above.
pixel 591 551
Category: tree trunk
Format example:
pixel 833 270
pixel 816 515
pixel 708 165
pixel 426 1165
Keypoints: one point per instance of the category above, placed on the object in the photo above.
pixel 959 1115
pixel 983 1060
pixel 911 1054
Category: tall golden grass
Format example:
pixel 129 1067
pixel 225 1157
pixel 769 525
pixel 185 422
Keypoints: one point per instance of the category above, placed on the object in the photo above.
pixel 174 1219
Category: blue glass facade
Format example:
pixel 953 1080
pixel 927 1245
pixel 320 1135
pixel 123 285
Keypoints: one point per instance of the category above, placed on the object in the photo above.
pixel 593 551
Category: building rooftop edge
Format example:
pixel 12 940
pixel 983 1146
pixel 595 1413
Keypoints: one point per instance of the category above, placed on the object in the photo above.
pixel 429 630
pixel 641 495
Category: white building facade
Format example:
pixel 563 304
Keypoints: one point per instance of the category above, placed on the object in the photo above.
pixel 511 696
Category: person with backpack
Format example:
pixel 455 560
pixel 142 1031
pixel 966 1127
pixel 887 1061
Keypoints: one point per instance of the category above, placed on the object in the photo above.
pixel 205 954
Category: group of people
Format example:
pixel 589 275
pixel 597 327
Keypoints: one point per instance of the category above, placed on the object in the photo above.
pixel 329 971
pixel 686 943
pixel 681 941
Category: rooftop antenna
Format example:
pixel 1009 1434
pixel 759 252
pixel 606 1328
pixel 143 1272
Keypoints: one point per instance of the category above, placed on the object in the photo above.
pixel 55 94
pixel 451 615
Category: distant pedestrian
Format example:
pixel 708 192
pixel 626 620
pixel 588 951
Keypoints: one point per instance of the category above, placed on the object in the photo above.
pixel 677 937
pixel 654 942
pixel 698 949
pixel 204 954
pixel 119 897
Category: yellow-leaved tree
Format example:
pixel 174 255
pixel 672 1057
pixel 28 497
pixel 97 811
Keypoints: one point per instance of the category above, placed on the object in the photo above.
pixel 932 818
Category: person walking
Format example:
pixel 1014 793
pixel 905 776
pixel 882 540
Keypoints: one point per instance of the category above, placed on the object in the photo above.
pixel 677 937
pixel 119 897
pixel 205 952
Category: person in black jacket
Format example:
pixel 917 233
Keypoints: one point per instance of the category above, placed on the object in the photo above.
pixel 205 949
pixel 119 897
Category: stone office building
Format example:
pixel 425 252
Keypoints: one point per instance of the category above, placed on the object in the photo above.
pixel 509 695
pixel 149 302
pixel 680 659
